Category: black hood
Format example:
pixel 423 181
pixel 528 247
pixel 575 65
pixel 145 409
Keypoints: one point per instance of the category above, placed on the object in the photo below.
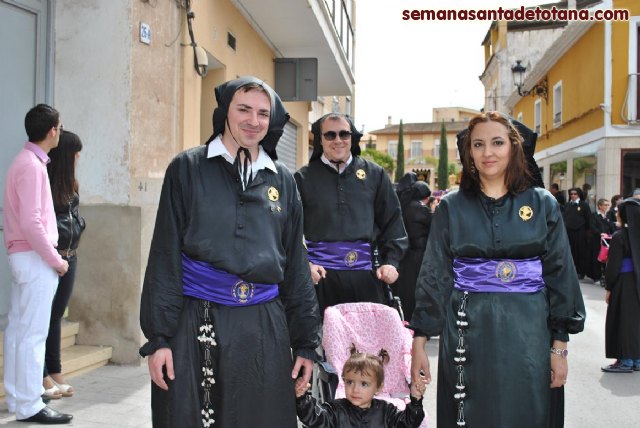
pixel 529 139
pixel 317 140
pixel 278 118
pixel 629 211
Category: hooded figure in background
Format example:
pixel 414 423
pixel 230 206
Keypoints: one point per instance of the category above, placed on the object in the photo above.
pixel 350 210
pixel 622 277
pixel 227 295
pixel 417 221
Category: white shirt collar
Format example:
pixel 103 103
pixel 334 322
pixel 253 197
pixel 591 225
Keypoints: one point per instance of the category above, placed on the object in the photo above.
pixel 343 166
pixel 216 148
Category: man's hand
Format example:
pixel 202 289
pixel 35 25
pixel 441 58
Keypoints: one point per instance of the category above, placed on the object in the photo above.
pixel 306 365
pixel 63 268
pixel 387 273
pixel 162 357
pixel 317 273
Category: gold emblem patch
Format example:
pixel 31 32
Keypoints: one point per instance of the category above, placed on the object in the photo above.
pixel 506 271
pixel 273 194
pixel 351 258
pixel 525 213
pixel 242 292
pixel 361 174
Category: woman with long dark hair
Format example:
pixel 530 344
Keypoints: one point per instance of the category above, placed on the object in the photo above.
pixel 64 189
pixel 498 287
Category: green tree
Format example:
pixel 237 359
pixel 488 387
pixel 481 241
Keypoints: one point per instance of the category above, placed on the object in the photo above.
pixel 443 161
pixel 382 159
pixel 400 157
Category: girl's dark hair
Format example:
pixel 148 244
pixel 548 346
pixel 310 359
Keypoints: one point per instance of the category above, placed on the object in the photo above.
pixel 614 200
pixel 62 168
pixel 518 178
pixel 363 363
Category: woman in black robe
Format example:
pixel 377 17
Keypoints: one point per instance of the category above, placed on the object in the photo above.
pixel 622 275
pixel 417 221
pixel 498 287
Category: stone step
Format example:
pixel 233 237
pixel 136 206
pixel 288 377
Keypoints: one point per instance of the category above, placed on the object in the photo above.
pixel 76 359
pixel 68 338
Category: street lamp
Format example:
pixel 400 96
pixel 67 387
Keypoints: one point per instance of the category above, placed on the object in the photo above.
pixel 540 89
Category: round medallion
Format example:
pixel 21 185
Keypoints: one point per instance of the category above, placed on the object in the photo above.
pixel 351 258
pixel 361 174
pixel 273 194
pixel 525 213
pixel 242 292
pixel 506 271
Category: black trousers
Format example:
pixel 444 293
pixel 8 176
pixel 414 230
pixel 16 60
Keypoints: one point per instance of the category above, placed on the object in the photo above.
pixel 60 303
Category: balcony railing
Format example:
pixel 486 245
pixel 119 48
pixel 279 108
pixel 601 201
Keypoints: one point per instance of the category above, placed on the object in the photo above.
pixel 341 19
pixel 631 107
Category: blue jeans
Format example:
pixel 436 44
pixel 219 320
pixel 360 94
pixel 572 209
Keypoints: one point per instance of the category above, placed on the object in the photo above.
pixel 629 362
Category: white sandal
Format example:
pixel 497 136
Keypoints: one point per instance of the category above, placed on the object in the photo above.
pixel 53 393
pixel 65 389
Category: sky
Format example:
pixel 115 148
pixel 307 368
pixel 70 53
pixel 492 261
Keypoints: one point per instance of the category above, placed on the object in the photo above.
pixel 405 68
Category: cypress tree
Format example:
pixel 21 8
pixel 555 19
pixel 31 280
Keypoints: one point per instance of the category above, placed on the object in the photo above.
pixel 443 161
pixel 400 157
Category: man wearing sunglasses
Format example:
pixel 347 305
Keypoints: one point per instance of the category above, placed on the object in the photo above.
pixel 349 208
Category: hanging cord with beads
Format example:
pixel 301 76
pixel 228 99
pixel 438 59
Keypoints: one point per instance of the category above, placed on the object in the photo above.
pixel 207 340
pixel 461 359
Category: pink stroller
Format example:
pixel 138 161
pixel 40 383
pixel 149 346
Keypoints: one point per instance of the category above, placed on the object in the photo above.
pixel 371 327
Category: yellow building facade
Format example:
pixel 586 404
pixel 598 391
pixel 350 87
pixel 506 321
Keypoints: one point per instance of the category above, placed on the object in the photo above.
pixel 585 106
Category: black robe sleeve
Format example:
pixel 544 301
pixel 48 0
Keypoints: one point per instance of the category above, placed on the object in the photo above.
pixel 162 294
pixel 566 306
pixel 297 292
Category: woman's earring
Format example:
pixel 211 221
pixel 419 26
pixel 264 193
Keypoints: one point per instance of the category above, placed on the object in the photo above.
pixel 473 168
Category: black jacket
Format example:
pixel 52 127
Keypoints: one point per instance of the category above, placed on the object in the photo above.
pixel 70 224
pixel 342 414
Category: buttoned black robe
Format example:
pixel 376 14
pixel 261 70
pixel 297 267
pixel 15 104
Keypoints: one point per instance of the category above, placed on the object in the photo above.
pixel 205 213
pixel 508 360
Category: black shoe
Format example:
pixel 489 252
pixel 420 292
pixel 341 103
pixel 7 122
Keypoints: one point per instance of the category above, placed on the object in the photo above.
pixel 617 368
pixel 49 416
pixel 45 399
pixel 580 277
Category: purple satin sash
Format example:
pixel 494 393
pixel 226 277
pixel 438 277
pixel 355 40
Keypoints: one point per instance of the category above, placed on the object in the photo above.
pixel 478 275
pixel 203 281
pixel 341 255
pixel 627 265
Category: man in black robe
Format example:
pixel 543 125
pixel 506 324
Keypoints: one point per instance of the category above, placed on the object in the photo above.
pixel 349 207
pixel 577 217
pixel 558 194
pixel 227 293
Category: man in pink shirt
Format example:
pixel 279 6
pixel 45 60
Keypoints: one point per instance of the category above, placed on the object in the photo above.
pixel 30 236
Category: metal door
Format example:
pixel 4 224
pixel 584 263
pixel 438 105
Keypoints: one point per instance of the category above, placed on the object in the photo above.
pixel 24 81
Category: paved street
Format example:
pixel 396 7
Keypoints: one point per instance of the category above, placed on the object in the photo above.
pixel 115 396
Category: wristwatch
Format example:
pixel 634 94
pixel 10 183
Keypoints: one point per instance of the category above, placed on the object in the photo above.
pixel 562 352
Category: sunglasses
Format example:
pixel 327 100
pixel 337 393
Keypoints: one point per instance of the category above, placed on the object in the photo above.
pixel 331 135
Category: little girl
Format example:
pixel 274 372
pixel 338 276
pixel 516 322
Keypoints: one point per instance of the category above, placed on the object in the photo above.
pixel 363 377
